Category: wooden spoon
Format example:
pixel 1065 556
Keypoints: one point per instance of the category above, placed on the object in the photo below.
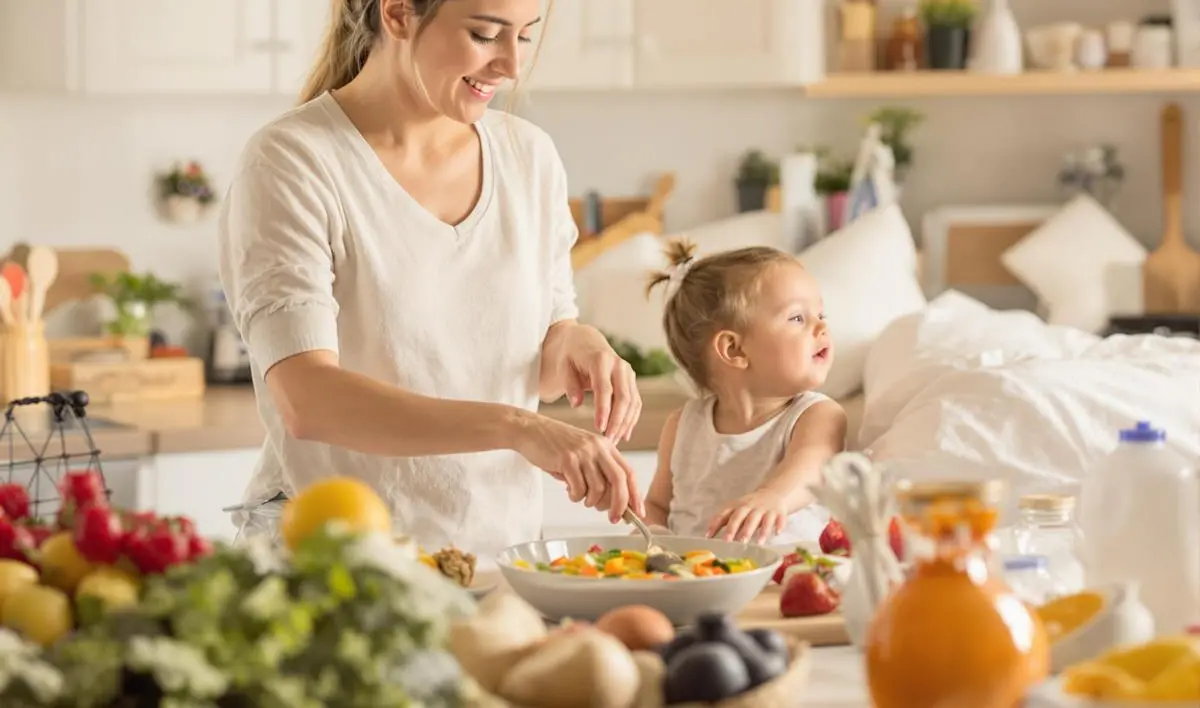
pixel 6 303
pixel 1171 274
pixel 42 265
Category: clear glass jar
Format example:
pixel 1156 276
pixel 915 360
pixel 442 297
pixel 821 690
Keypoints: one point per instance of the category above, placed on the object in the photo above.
pixel 1046 527
pixel 1029 577
pixel 258 518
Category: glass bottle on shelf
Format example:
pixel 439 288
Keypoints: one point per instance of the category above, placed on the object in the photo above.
pixel 1046 527
pixel 954 634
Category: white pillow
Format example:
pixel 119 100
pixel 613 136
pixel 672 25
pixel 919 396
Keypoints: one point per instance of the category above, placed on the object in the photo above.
pixel 867 273
pixel 611 291
pixel 1077 263
pixel 752 228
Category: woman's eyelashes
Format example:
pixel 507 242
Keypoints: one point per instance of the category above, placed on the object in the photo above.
pixel 484 39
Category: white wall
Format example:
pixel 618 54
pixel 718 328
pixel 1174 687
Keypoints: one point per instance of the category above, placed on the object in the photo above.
pixel 78 171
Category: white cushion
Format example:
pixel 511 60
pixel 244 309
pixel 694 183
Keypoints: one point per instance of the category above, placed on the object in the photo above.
pixel 1079 263
pixel 752 228
pixel 611 291
pixel 868 276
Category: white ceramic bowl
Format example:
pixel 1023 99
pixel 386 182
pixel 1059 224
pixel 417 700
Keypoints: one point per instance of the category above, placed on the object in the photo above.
pixel 1051 695
pixel 565 596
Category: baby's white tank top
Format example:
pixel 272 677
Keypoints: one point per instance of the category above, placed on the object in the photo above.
pixel 709 469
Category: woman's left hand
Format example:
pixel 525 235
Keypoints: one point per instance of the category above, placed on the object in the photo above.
pixel 592 365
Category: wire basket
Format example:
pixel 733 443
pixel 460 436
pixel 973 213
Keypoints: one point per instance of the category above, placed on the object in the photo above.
pixel 38 442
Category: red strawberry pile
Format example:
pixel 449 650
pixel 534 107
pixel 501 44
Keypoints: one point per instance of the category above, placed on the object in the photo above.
pixel 834 542
pixel 102 534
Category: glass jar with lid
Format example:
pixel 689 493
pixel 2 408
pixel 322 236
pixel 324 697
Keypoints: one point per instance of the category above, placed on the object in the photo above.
pixel 954 634
pixel 1046 527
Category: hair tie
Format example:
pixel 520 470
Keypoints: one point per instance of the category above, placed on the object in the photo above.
pixel 678 271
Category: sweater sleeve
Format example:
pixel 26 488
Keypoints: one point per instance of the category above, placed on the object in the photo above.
pixel 276 259
pixel 562 278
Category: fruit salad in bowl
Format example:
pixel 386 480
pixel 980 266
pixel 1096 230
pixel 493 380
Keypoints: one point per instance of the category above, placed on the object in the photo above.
pixel 583 578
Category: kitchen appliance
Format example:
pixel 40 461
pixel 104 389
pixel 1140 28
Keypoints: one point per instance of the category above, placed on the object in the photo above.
pixel 228 357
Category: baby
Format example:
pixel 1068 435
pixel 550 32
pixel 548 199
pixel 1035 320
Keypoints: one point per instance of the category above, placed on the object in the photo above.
pixel 748 327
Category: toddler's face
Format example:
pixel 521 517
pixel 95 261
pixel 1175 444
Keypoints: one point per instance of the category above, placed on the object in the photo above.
pixel 787 342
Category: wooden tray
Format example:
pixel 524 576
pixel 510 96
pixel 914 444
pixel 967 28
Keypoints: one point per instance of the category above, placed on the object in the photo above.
pixel 819 631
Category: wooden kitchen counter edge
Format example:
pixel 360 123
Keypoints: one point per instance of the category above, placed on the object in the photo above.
pixel 226 418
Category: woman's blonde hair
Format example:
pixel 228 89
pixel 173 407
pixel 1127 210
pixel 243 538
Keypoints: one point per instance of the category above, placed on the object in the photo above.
pixel 352 32
pixel 708 295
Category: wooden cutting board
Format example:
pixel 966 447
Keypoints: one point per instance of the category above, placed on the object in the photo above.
pixel 819 631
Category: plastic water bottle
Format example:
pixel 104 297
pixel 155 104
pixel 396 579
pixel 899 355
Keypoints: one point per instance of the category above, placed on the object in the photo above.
pixel 1140 519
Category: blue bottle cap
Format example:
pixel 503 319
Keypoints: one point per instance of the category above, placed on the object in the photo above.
pixel 1143 433
pixel 1014 564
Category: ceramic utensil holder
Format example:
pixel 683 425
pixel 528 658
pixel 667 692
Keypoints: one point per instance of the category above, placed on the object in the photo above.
pixel 24 361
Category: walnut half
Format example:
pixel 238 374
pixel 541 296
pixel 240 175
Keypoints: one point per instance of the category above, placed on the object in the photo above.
pixel 457 565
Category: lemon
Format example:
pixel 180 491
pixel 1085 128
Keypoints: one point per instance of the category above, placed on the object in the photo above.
pixel 62 564
pixel 343 499
pixel 39 613
pixel 1146 661
pixel 1100 681
pixel 14 575
pixel 1180 681
pixel 1067 614
pixel 113 587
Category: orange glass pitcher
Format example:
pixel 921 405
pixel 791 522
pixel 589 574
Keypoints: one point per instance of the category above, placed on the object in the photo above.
pixel 954 635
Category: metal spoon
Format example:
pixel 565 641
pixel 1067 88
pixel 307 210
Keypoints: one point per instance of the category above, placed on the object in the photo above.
pixel 658 559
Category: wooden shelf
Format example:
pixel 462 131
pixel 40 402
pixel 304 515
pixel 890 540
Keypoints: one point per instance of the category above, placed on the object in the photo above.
pixel 1033 83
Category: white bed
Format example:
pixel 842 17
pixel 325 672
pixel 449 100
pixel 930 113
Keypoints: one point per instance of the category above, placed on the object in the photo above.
pixel 962 390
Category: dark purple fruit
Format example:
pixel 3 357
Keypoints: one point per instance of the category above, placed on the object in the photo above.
pixel 771 642
pixel 705 673
pixel 715 627
pixel 761 665
pixel 682 640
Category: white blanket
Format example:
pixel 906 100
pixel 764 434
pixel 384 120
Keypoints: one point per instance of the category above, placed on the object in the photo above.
pixel 961 390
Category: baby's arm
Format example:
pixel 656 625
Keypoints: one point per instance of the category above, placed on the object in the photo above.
pixel 658 497
pixel 819 433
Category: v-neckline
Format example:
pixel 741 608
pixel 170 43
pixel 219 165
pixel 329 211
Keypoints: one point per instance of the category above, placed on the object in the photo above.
pixel 364 149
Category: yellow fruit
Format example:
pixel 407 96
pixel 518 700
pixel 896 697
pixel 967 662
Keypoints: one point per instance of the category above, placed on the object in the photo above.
pixel 40 613
pixel 342 499
pixel 13 575
pixel 112 586
pixel 62 565
pixel 1093 680
pixel 1178 682
pixel 1067 614
pixel 1144 662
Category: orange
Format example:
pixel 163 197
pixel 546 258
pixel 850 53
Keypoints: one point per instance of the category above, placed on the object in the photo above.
pixel 341 499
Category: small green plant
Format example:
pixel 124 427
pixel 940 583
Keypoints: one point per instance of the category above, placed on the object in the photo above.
pixel 756 168
pixel 188 181
pixel 948 13
pixel 895 123
pixel 135 297
pixel 651 362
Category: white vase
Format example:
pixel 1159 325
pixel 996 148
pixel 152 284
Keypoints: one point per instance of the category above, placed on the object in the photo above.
pixel 183 210
pixel 997 41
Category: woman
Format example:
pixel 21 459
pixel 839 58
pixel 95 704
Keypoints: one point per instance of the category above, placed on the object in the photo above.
pixel 397 258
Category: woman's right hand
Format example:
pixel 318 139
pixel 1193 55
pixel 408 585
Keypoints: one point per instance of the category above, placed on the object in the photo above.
pixel 593 469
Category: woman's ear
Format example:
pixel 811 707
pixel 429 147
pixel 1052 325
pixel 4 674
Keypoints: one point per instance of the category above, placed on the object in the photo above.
pixel 397 18
pixel 728 347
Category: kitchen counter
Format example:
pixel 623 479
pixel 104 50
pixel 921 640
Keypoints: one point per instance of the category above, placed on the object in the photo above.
pixel 226 418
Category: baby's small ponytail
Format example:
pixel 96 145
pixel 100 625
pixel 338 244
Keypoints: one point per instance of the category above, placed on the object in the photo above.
pixel 680 254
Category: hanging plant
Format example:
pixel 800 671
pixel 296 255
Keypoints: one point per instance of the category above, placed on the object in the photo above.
pixel 186 191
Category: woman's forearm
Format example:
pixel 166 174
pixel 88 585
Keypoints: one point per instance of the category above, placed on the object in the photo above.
pixel 656 514
pixel 321 402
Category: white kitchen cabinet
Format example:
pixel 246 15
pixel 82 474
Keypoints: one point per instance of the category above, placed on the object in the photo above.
pixel 717 43
pixel 562 517
pixel 254 47
pixel 148 46
pixel 583 45
pixel 200 485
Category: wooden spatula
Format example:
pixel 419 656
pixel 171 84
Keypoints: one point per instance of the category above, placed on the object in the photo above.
pixel 1171 274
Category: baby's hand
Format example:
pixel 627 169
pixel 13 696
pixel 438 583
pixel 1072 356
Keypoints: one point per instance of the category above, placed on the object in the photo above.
pixel 759 515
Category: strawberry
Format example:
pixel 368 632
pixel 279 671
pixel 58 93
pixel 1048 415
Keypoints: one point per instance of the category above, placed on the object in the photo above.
pixel 15 541
pixel 791 559
pixel 896 538
pixel 806 594
pixel 14 501
pixel 833 540
pixel 98 534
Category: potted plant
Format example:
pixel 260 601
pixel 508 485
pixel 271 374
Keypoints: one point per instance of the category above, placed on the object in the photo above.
pixel 947 32
pixel 185 192
pixel 134 298
pixel 832 183
pixel 756 175
pixel 895 123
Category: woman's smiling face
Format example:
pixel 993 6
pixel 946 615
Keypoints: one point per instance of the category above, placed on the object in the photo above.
pixel 467 50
